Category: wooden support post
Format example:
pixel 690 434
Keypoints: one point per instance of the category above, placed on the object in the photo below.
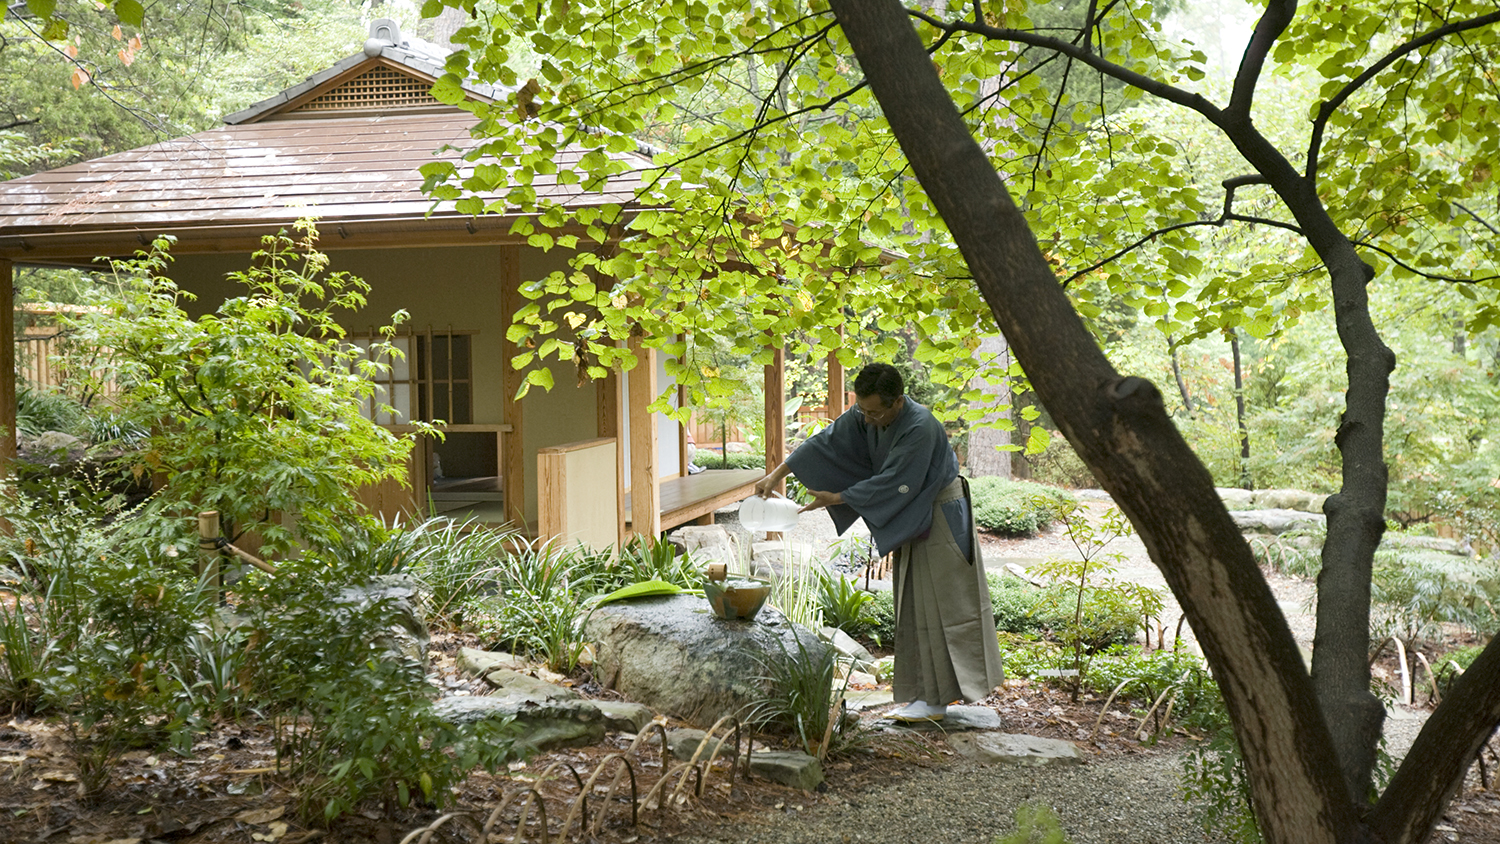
pixel 609 422
pixel 645 493
pixel 776 412
pixel 513 461
pixel 776 420
pixel 836 406
pixel 682 438
pixel 7 367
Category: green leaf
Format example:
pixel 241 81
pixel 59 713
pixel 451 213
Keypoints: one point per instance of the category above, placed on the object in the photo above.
pixel 1038 441
pixel 641 589
pixel 449 89
pixel 131 12
pixel 43 9
pixel 542 377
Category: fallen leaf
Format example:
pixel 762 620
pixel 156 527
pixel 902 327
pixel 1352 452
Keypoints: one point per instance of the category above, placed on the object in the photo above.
pixel 261 816
pixel 278 829
pixel 59 776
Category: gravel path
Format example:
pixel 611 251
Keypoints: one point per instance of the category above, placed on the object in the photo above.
pixel 1120 799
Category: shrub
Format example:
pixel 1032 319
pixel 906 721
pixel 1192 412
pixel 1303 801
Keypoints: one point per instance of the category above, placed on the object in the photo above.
pixel 1100 611
pixel 801 698
pixel 357 721
pixel 883 611
pixel 1295 553
pixel 1452 664
pixel 844 605
pixel 257 408
pixel 125 646
pixel 532 599
pixel 451 559
pixel 1019 606
pixel 1194 695
pixel 1012 508
pixel 39 410
pixel 732 460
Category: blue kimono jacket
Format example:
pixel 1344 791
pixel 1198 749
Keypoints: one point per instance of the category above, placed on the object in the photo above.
pixel 889 476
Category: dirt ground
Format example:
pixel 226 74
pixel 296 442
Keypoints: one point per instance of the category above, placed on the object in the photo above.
pixel 230 790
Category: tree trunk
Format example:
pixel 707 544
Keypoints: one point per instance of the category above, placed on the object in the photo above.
pixel 1182 390
pixel 985 457
pixel 1120 429
pixel 1356 514
pixel 1239 412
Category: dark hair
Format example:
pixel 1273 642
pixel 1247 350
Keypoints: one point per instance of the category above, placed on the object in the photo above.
pixel 882 379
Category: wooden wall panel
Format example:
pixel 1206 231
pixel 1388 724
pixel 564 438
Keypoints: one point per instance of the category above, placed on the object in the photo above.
pixel 570 509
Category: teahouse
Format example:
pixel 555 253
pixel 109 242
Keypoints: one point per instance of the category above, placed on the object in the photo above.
pixel 344 147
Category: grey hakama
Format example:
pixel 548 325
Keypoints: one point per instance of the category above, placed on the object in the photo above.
pixel 901 479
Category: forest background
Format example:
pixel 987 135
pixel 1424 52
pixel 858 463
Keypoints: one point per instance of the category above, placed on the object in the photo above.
pixel 1164 306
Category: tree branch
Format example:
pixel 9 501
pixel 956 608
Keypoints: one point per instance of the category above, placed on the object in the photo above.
pixel 1435 766
pixel 1277 18
pixel 1155 87
pixel 1216 223
pixel 1478 219
pixel 1331 105
pixel 1423 273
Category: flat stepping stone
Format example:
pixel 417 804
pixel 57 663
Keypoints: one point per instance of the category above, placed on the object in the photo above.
pixel 1014 749
pixel 479 663
pixel 544 724
pixel 957 719
pixel 684 744
pixel 625 716
pixel 859 700
pixel 788 767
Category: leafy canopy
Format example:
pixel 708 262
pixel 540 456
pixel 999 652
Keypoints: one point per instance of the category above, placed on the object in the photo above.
pixel 775 206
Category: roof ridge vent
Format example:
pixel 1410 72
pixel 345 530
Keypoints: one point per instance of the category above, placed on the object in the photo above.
pixel 384 32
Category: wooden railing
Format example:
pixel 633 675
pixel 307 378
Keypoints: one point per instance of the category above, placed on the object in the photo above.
pixel 706 431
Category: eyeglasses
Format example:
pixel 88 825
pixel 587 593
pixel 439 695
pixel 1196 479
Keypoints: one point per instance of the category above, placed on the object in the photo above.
pixel 877 416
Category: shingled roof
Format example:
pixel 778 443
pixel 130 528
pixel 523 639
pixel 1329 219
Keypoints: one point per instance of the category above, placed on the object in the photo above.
pixel 343 146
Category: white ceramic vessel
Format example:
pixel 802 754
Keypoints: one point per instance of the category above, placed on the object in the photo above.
pixel 768 514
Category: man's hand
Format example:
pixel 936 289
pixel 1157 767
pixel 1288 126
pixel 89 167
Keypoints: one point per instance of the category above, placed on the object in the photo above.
pixel 822 499
pixel 766 487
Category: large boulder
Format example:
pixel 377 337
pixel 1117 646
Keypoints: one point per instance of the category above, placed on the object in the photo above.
pixel 1236 499
pixel 1278 521
pixel 405 633
pixel 672 654
pixel 1289 499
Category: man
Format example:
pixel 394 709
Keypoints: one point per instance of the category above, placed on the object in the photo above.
pixel 887 460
